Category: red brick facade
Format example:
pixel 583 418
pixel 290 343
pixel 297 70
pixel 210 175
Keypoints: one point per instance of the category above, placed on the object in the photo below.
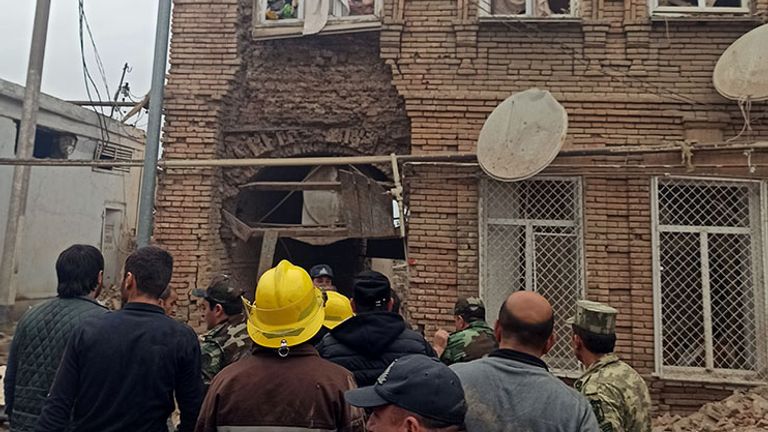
pixel 624 78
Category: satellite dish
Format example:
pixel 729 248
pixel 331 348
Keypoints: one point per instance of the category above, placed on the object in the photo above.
pixel 742 70
pixel 522 135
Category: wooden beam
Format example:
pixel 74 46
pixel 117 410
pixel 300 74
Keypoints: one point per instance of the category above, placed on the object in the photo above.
pixel 267 256
pixel 289 186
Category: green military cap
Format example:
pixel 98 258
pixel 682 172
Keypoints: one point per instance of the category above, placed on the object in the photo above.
pixel 471 305
pixel 220 290
pixel 595 317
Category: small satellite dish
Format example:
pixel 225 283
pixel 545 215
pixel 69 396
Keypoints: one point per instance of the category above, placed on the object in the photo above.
pixel 742 70
pixel 522 135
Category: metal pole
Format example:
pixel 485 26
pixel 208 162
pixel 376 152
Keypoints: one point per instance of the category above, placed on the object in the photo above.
pixel 149 176
pixel 25 145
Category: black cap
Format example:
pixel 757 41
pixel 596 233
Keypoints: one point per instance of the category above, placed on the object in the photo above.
pixel 321 270
pixel 220 290
pixel 419 384
pixel 371 289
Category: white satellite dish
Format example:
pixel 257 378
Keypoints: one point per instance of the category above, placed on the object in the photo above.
pixel 522 135
pixel 742 70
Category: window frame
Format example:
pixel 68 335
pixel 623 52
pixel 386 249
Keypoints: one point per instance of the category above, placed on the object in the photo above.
pixel 759 262
pixel 268 29
pixel 485 8
pixel 702 8
pixel 530 247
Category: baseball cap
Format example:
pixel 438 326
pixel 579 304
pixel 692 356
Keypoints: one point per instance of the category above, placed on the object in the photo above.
pixel 419 384
pixel 220 290
pixel 594 317
pixel 321 270
pixel 371 288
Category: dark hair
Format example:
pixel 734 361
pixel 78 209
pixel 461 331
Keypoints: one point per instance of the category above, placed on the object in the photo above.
pixel 596 343
pixel 77 270
pixel 229 308
pixel 152 268
pixel 533 335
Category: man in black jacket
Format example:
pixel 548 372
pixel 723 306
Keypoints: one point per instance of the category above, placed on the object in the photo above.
pixel 120 371
pixel 368 342
pixel 43 332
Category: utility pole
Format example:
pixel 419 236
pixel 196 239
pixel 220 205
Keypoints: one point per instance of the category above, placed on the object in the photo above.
pixel 149 175
pixel 25 148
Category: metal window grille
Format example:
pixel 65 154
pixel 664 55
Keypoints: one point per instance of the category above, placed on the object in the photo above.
pixel 708 276
pixel 531 240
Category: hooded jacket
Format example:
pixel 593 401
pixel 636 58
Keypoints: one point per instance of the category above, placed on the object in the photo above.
pixel 367 343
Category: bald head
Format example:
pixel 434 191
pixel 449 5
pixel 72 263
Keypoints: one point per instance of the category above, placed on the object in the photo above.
pixel 527 319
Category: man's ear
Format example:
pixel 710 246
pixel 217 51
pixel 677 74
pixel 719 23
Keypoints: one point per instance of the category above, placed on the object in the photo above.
pixel 390 304
pixel 99 284
pixel 551 340
pixel 218 309
pixel 411 424
pixel 497 331
pixel 352 303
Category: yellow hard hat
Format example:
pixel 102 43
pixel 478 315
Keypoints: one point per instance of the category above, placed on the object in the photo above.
pixel 287 309
pixel 337 309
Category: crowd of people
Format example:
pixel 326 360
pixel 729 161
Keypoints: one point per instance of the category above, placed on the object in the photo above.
pixel 303 357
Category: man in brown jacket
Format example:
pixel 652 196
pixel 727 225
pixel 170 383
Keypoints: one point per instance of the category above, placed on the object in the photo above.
pixel 284 385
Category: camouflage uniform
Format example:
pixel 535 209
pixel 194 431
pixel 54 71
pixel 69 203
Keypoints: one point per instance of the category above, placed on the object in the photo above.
pixel 222 345
pixel 228 341
pixel 617 393
pixel 475 341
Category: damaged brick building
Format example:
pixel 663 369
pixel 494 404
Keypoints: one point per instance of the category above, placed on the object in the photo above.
pixel 644 209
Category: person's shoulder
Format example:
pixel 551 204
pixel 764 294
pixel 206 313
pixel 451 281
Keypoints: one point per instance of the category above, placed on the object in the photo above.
pixel 466 370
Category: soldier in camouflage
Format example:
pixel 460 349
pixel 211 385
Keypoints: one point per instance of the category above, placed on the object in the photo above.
pixel 617 393
pixel 473 337
pixel 227 339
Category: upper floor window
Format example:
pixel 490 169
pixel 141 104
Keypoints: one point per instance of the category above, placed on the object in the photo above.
pixel 313 16
pixel 700 6
pixel 528 8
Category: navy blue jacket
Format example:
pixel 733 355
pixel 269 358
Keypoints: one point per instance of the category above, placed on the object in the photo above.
pixel 120 372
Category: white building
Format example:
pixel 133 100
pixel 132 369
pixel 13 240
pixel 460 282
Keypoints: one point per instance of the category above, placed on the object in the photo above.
pixel 68 205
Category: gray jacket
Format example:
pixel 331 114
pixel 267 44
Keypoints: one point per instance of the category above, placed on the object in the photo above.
pixel 511 391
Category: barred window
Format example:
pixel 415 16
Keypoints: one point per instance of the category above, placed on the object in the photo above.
pixel 708 276
pixel 531 240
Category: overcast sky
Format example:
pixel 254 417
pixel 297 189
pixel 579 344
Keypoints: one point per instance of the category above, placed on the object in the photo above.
pixel 124 31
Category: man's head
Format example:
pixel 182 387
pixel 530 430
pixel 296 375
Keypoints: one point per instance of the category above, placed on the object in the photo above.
pixel 168 301
pixel 371 292
pixel 468 310
pixel 322 277
pixel 594 330
pixel 79 269
pixel 526 322
pixel 222 300
pixel 147 274
pixel 415 393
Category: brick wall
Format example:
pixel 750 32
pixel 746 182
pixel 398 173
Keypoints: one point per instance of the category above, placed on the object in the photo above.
pixel 624 79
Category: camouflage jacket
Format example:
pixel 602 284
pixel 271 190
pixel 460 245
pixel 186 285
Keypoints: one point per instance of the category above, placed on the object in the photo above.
pixel 618 395
pixel 469 344
pixel 222 345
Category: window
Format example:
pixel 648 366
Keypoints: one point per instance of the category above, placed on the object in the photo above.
pixel 528 8
pixel 333 15
pixel 113 152
pixel 531 240
pixel 708 276
pixel 699 6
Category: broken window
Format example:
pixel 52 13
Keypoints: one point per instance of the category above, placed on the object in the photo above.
pixel 531 240
pixel 113 152
pixel 528 8
pixel 51 144
pixel 694 6
pixel 707 275
pixel 295 11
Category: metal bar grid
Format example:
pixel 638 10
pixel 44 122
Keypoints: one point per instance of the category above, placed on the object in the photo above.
pixel 531 239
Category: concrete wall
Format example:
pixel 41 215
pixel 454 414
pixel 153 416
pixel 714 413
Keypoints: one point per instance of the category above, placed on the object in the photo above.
pixel 66 205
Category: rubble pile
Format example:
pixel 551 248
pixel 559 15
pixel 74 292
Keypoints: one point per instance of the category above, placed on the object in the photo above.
pixel 744 411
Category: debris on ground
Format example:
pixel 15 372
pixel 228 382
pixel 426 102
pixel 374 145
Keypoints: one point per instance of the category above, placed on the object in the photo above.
pixel 110 297
pixel 744 411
